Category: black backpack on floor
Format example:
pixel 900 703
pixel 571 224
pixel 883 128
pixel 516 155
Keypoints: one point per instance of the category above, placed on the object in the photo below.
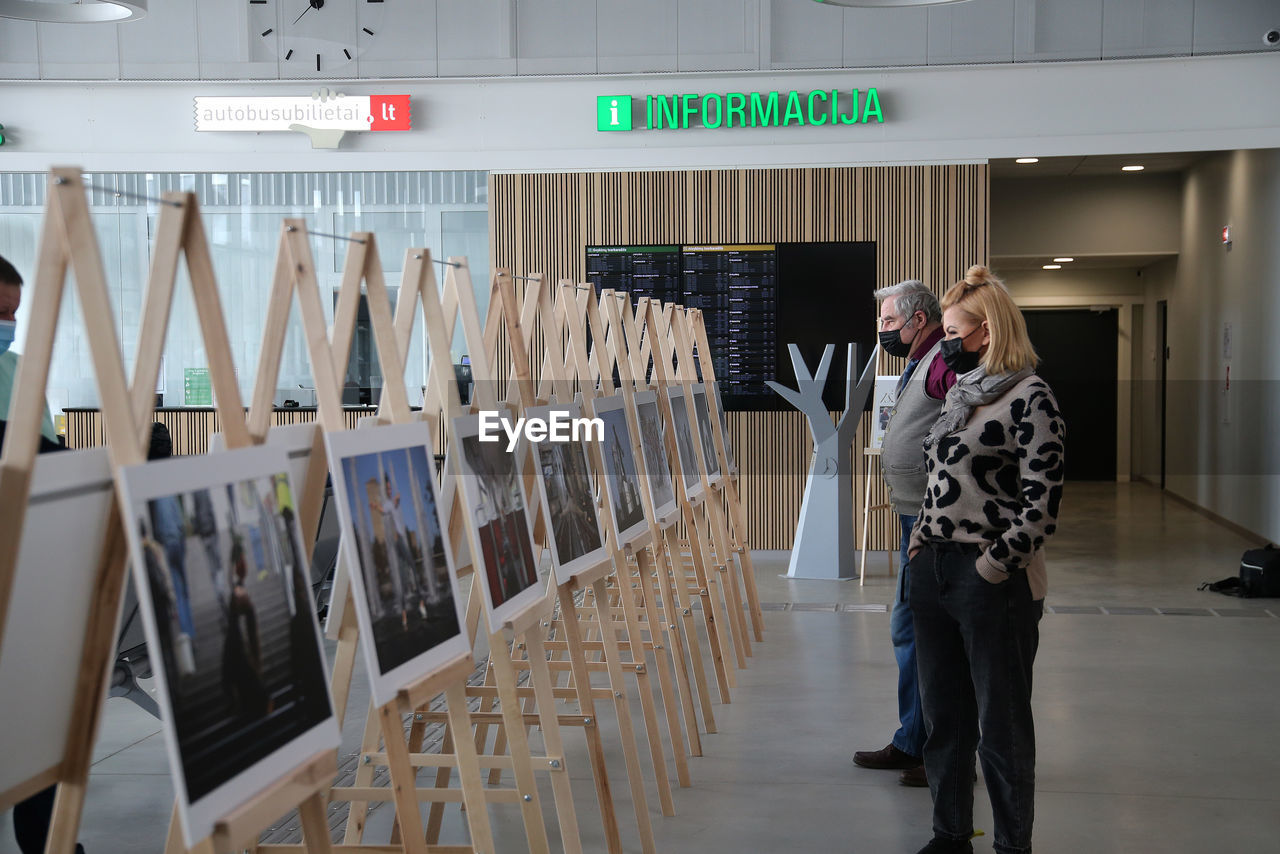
pixel 1259 576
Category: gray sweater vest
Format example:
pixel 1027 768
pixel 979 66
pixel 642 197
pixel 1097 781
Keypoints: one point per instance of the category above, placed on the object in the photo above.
pixel 902 454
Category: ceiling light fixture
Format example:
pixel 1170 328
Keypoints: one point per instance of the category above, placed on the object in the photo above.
pixel 80 12
pixel 888 4
pixel 1027 160
pixel 1062 260
pixel 1132 168
pixel 1052 267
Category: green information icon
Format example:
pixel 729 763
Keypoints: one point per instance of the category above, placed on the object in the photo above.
pixel 613 112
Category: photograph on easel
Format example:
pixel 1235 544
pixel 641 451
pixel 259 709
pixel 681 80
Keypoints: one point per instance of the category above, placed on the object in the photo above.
pixel 501 533
pixel 402 573
pixel 567 492
pixel 53 596
pixel 688 455
pixel 223 580
pixel 704 433
pixel 621 479
pixel 657 469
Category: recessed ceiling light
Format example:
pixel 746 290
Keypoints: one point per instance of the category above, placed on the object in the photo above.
pixel 1132 168
pixel 82 12
pixel 1027 160
pixel 1052 267
pixel 1062 260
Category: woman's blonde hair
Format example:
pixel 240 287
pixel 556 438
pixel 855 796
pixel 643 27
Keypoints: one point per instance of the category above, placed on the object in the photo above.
pixel 982 296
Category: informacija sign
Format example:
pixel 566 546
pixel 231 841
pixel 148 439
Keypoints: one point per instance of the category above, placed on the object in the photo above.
pixel 740 110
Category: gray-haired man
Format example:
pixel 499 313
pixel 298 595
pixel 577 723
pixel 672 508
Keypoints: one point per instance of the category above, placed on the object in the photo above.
pixel 910 326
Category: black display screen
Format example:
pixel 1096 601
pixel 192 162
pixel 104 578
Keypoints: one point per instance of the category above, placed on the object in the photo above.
pixel 755 299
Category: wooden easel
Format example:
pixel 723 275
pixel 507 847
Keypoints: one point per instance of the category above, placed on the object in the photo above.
pixel 501 684
pixel 871 458
pixel 675 593
pixel 703 571
pixel 730 499
pixel 622 345
pixel 502 319
pixel 712 506
pixel 69 240
pixel 600 362
pixel 328 352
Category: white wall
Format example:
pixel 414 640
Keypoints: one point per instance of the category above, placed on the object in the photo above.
pixel 1223 450
pixel 224 39
pixel 936 115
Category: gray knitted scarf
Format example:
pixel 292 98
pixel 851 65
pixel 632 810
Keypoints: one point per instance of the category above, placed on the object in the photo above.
pixel 974 389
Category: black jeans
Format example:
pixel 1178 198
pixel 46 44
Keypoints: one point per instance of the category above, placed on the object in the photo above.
pixel 975 644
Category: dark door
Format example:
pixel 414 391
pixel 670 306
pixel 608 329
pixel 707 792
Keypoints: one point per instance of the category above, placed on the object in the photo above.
pixel 1162 349
pixel 1077 349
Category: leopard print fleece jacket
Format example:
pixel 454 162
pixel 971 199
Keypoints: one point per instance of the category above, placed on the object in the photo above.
pixel 997 483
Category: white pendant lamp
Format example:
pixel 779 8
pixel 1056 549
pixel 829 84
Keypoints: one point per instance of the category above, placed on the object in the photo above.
pixel 74 11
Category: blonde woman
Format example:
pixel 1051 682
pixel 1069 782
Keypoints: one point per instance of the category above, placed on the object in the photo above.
pixel 994 460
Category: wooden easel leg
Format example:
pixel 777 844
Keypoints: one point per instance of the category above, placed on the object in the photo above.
pixel 866 527
pixel 540 677
pixel 734 502
pixel 653 570
pixel 680 584
pixel 417 737
pixel 653 731
pixel 403 781
pixel 664 644
pixel 622 706
pixel 500 659
pixel 435 816
pixel 344 659
pixel 586 706
pixel 468 772
pixel 173 839
pixel 728 580
pixel 358 811
pixel 315 830
pixel 716 632
pixel 68 807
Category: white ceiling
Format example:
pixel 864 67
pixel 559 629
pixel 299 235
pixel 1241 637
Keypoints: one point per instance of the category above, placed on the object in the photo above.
pixel 1094 165
pixel 223 39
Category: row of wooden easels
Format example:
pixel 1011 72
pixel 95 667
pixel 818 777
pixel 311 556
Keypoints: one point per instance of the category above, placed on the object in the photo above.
pixel 653 606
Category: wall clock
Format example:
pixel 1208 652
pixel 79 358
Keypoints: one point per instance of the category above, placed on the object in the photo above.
pixel 314 38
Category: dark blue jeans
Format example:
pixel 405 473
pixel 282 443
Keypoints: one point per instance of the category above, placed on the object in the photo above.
pixel 975 646
pixel 910 735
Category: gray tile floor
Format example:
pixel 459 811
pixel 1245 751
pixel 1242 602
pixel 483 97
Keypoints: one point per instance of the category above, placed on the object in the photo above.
pixel 1156 728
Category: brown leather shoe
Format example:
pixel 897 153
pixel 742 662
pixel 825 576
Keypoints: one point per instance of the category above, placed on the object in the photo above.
pixel 914 777
pixel 889 758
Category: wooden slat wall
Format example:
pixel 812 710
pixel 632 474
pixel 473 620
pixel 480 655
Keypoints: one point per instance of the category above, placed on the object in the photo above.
pixel 189 429
pixel 928 222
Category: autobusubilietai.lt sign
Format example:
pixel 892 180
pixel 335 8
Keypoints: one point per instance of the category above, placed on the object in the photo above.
pixel 740 110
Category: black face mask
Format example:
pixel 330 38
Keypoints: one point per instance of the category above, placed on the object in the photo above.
pixel 891 342
pixel 958 359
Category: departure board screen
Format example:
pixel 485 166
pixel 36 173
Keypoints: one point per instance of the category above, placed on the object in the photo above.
pixel 642 271
pixel 736 288
pixel 755 300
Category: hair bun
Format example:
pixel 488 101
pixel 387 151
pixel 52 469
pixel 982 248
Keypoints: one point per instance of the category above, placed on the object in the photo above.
pixel 977 275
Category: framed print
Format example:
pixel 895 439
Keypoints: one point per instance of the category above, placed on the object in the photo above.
pixel 656 467
pixel 501 530
pixel 705 435
pixel 568 499
pixel 621 478
pixel 690 464
pixel 402 576
pixel 223 582
pixel 51 600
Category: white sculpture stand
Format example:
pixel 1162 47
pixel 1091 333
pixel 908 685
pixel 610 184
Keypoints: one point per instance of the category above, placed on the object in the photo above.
pixel 824 542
